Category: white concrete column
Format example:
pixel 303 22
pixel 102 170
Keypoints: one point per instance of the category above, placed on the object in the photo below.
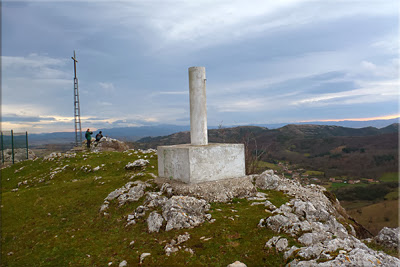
pixel 198 106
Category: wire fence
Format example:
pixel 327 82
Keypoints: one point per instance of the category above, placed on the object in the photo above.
pixel 14 146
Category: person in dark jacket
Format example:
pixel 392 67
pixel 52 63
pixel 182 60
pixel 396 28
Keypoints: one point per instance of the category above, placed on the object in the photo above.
pixel 99 136
pixel 88 136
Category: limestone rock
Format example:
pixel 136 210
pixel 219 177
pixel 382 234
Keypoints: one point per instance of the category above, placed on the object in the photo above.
pixel 114 194
pixel 107 144
pixel 154 199
pixel 133 194
pixel 313 238
pixel 282 244
pixel 277 242
pixel 237 264
pixel 267 180
pixel 169 249
pixel 123 263
pixel 314 219
pixel 389 237
pixel 173 247
pixel 184 212
pixel 183 238
pixel 126 193
pixel 143 255
pixel 289 253
pixel 154 222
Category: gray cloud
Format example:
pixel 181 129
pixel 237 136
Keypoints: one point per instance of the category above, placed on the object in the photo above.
pixel 17 118
pixel 266 62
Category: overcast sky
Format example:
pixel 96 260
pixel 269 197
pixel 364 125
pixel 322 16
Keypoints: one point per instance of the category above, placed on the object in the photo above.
pixel 266 61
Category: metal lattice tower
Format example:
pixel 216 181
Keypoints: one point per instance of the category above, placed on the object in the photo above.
pixel 77 109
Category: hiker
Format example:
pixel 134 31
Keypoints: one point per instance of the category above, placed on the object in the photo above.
pixel 99 136
pixel 88 136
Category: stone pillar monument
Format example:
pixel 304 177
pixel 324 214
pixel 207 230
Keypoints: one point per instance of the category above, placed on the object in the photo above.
pixel 198 106
pixel 199 161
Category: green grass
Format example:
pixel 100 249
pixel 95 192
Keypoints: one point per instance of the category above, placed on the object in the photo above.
pixel 390 177
pixel 57 222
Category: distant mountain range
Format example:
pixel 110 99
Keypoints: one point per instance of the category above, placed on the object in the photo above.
pixel 136 133
pixel 350 124
pixel 334 150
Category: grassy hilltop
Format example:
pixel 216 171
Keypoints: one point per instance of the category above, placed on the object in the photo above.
pixel 53 219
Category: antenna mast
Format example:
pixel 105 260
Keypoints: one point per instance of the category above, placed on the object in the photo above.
pixel 77 109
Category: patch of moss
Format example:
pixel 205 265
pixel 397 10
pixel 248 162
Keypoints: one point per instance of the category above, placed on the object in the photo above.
pixel 277 198
pixel 373 245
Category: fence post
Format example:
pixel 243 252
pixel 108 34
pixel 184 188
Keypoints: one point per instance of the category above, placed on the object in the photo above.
pixel 2 148
pixel 12 146
pixel 27 153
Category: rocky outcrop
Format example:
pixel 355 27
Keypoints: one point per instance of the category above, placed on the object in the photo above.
pixel 184 212
pixel 389 238
pixel 267 180
pixel 107 144
pixel 319 225
pixel 130 192
pixel 312 216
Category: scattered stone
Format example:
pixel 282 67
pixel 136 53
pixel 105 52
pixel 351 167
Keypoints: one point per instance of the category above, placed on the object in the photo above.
pixel 123 263
pixel 137 163
pixel 144 255
pixel 148 151
pixel 189 250
pixel 169 249
pixel 173 246
pixel 237 264
pixel 183 238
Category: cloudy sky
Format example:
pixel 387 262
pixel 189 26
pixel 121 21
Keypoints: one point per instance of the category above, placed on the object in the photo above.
pixel 266 61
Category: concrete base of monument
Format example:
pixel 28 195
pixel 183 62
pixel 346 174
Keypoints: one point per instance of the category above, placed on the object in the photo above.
pixel 195 164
